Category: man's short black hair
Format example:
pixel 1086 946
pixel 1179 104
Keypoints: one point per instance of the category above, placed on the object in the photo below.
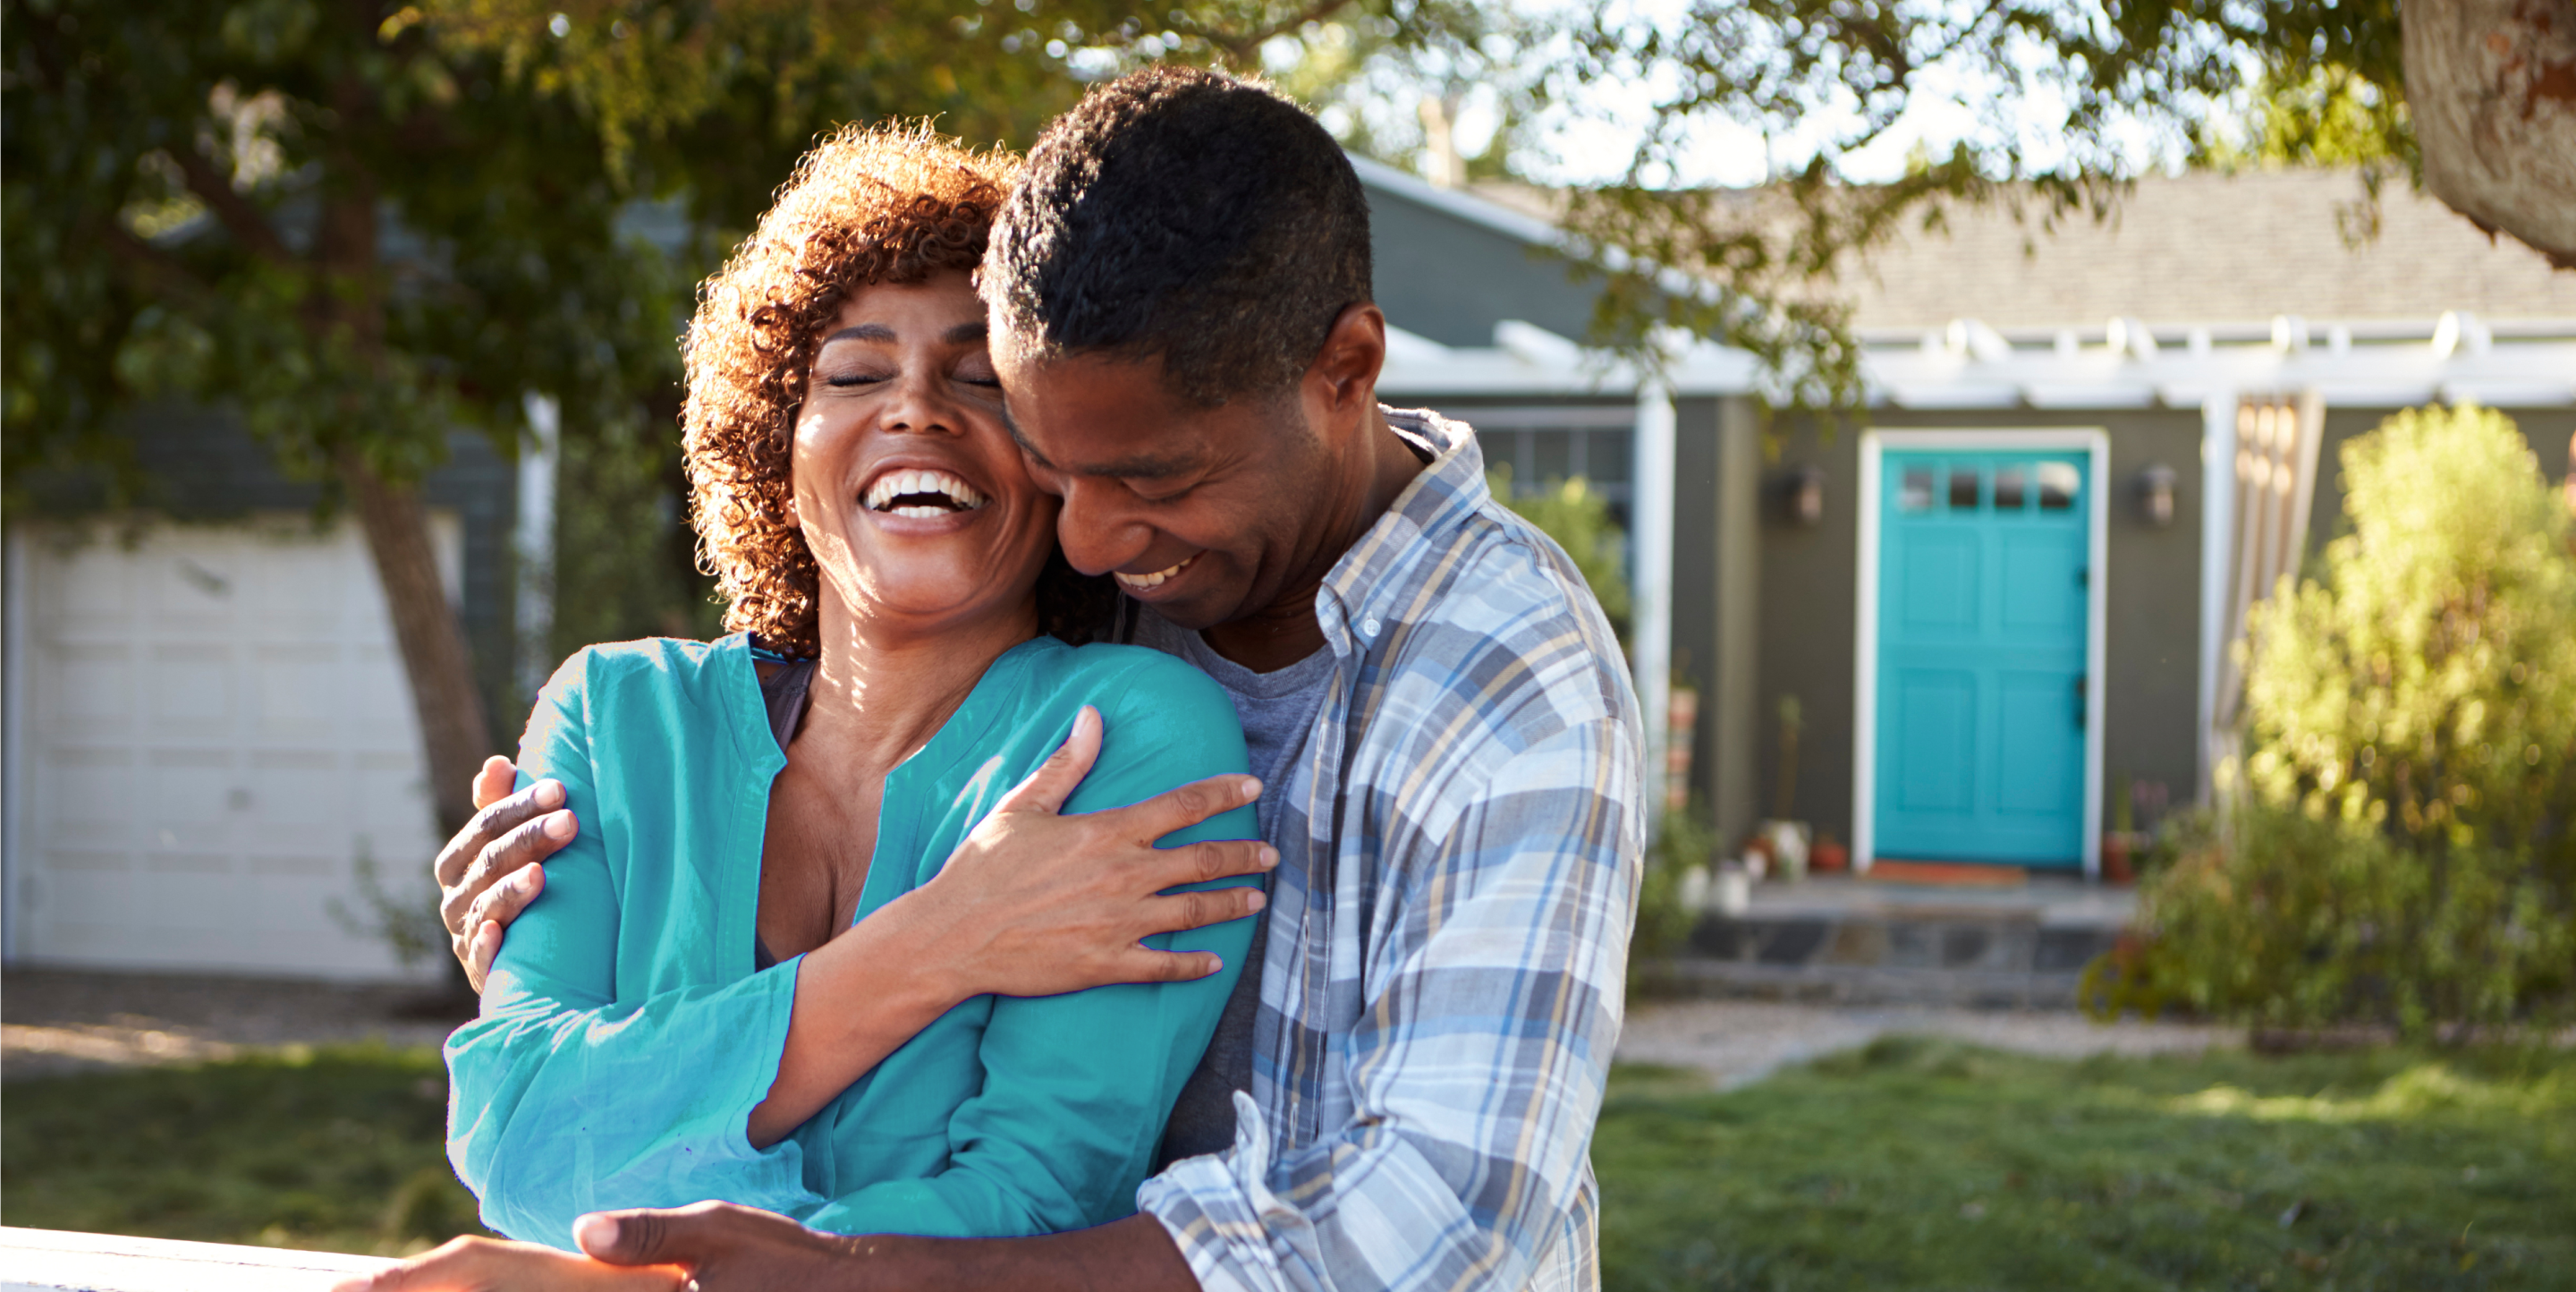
pixel 1186 214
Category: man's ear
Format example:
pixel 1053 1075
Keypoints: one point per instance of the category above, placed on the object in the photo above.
pixel 1345 370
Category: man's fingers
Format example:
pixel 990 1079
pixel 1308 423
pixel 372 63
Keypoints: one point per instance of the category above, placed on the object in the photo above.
pixel 493 781
pixel 491 822
pixel 1187 806
pixel 501 903
pixel 690 1235
pixel 1054 781
pixel 490 1265
pixel 527 844
pixel 480 954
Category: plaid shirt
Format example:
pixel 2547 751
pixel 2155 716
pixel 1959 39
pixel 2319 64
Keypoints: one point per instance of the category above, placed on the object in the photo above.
pixel 1459 855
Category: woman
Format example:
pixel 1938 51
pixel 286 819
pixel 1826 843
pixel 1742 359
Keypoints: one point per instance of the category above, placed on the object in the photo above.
pixel 687 1015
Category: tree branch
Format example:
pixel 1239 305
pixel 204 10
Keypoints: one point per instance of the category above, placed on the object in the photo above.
pixel 155 269
pixel 239 217
pixel 1250 43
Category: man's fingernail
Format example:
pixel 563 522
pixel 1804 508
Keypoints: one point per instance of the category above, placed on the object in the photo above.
pixel 1216 965
pixel 549 794
pixel 559 826
pixel 1251 788
pixel 1255 900
pixel 1269 856
pixel 595 1232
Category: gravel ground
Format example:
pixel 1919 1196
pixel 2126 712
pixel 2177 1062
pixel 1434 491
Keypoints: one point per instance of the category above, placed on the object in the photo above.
pixel 55 1022
pixel 1740 1042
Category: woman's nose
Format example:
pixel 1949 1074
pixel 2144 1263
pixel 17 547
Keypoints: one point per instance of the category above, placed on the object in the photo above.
pixel 920 405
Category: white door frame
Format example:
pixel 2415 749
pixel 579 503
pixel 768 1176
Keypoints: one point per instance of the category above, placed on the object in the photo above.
pixel 2096 444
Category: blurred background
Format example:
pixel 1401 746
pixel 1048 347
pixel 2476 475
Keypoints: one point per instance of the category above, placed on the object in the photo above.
pixel 1937 396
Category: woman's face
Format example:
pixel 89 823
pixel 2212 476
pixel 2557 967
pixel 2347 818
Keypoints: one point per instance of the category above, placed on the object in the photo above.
pixel 909 490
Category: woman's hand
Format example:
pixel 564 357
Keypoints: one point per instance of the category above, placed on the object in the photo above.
pixel 1034 903
pixel 495 1265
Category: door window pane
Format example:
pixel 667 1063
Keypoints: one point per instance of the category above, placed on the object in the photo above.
pixel 2008 489
pixel 1915 494
pixel 1963 488
pixel 2057 482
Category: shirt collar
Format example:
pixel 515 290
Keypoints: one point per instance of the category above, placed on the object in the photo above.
pixel 1364 586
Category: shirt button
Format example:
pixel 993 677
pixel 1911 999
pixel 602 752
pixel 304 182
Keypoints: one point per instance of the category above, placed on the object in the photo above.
pixel 1368 627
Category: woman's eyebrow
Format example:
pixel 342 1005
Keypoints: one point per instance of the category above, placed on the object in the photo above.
pixel 961 334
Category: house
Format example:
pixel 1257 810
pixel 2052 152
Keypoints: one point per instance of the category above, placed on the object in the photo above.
pixel 2005 601
pixel 212 761
pixel 2000 604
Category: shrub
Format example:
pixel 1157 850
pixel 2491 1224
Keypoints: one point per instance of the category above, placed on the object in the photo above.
pixel 1579 520
pixel 2401 851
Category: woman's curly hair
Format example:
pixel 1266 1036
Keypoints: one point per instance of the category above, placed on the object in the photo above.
pixel 869 205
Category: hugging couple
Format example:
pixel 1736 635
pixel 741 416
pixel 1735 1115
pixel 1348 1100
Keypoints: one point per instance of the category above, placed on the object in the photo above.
pixel 927 932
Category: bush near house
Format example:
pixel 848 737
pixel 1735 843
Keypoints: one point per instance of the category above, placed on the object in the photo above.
pixel 2402 849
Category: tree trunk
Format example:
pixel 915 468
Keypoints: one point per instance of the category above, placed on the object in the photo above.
pixel 2491 86
pixel 426 630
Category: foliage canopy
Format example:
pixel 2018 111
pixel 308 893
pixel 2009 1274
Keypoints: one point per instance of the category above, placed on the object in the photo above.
pixel 2406 847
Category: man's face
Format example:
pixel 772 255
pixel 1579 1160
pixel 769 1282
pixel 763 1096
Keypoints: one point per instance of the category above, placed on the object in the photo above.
pixel 1206 514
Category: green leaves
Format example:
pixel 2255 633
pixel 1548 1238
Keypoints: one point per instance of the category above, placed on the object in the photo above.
pixel 2406 854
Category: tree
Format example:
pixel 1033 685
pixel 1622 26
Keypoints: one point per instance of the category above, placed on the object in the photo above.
pixel 357 240
pixel 363 226
pixel 2404 850
pixel 2476 101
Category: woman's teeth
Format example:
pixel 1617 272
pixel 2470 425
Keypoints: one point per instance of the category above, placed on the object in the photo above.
pixel 1154 580
pixel 920 494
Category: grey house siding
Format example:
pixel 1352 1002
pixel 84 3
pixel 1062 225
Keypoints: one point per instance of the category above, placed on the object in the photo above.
pixel 203 467
pixel 1809 586
pixel 1445 278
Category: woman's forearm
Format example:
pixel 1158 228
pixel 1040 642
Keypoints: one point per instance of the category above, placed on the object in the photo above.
pixel 859 997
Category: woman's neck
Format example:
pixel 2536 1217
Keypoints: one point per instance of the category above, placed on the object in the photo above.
pixel 880 693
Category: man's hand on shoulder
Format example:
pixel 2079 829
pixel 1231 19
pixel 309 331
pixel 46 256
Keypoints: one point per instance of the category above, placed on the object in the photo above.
pixel 489 872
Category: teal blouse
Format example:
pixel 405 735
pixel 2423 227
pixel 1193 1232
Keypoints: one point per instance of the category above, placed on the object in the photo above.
pixel 625 1037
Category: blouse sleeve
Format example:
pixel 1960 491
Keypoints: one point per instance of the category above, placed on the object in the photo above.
pixel 1077 1087
pixel 563 1100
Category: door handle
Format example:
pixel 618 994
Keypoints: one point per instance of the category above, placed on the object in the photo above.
pixel 2080 708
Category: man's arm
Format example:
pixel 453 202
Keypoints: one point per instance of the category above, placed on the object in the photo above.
pixel 727 1248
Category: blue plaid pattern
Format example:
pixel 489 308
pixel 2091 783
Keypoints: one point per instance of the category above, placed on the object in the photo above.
pixel 1460 849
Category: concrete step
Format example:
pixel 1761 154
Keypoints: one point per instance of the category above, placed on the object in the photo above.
pixel 1857 943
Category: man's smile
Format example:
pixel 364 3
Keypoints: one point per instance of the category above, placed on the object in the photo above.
pixel 1142 582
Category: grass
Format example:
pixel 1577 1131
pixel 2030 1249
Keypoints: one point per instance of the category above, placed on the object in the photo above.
pixel 334 1149
pixel 1926 1165
pixel 1908 1164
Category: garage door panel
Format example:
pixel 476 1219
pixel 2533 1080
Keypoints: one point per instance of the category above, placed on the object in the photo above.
pixel 222 727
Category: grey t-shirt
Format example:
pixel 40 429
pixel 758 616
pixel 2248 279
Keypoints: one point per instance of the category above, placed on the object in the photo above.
pixel 1277 710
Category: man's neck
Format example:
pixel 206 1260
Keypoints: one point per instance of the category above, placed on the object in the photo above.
pixel 1286 631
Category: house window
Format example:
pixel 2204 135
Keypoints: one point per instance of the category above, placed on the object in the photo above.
pixel 2057 481
pixel 2008 488
pixel 1915 493
pixel 1963 488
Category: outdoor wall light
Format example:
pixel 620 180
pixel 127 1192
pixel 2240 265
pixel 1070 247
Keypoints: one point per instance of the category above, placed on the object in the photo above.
pixel 1806 490
pixel 2156 495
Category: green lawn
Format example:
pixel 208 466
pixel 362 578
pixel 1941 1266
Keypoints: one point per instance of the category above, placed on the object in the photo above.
pixel 339 1149
pixel 1924 1165
pixel 1912 1165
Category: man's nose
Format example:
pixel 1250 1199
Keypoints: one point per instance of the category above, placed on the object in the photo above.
pixel 1097 533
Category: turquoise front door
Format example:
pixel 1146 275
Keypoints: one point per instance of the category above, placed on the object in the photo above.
pixel 1981 654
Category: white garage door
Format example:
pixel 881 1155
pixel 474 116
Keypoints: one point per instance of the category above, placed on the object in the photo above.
pixel 209 736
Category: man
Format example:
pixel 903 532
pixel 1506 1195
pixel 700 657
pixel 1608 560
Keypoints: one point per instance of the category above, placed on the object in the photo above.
pixel 1404 1094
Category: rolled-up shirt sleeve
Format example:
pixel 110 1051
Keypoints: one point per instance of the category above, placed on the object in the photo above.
pixel 1477 1064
